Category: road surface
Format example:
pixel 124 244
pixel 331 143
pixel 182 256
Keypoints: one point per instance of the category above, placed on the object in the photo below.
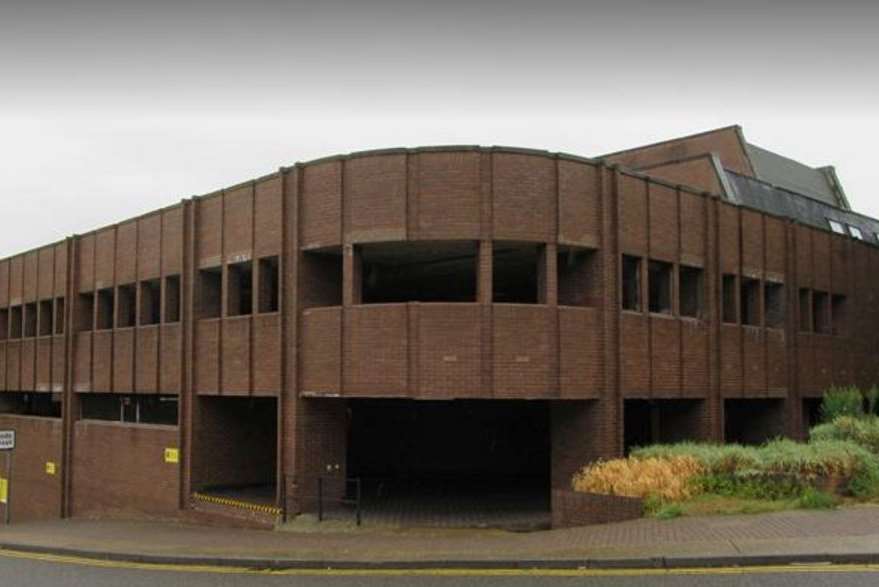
pixel 28 570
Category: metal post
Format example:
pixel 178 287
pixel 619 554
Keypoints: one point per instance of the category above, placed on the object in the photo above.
pixel 359 493
pixel 8 487
pixel 320 499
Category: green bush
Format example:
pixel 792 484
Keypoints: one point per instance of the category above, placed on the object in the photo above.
pixel 752 485
pixel 652 504
pixel 862 431
pixel 667 512
pixel 872 397
pixel 716 458
pixel 780 469
pixel 841 401
pixel 813 499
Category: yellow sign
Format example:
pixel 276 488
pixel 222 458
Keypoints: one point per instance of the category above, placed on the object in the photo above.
pixel 172 455
pixel 50 468
pixel 4 490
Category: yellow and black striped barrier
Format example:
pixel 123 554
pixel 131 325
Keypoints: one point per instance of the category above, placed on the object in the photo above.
pixel 236 503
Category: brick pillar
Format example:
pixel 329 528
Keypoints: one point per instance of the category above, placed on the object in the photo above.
pixel 609 429
pixel 70 403
pixel 322 429
pixel 290 273
pixel 352 276
pixel 484 272
pixel 547 275
pixel 713 309
pixel 579 435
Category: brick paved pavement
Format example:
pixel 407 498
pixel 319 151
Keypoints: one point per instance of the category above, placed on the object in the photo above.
pixel 847 530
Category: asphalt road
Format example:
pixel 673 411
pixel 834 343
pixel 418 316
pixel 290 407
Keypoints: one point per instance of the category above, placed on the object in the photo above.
pixel 37 571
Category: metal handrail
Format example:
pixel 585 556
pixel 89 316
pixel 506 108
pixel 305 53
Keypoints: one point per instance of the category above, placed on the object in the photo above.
pixel 357 501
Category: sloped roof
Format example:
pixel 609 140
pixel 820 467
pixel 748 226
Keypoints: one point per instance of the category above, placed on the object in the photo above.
pixel 778 200
pixel 784 172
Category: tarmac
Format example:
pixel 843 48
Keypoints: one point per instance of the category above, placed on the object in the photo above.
pixel 848 535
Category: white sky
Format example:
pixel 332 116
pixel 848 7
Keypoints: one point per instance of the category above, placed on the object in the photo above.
pixel 108 112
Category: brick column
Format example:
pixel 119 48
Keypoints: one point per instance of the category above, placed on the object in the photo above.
pixel 714 309
pixel 70 401
pixel 352 276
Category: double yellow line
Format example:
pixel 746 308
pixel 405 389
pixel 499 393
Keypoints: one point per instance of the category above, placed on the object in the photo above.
pixel 232 570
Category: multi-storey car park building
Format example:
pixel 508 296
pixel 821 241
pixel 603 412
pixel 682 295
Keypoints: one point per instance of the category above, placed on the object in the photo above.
pixel 440 317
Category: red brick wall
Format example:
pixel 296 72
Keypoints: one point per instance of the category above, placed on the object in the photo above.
pixel 571 508
pixel 698 172
pixel 725 142
pixel 120 468
pixel 36 495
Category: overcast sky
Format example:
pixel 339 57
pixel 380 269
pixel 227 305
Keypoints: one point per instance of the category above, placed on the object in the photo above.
pixel 110 109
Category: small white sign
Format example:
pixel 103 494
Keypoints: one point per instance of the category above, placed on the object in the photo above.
pixel 7 439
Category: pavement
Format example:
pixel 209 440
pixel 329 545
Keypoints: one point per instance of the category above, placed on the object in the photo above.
pixel 846 535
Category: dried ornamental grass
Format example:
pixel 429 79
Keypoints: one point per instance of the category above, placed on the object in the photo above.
pixel 668 478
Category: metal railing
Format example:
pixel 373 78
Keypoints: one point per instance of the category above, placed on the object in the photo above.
pixel 356 500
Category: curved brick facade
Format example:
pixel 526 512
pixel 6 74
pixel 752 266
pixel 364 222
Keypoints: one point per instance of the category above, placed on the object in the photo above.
pixel 572 345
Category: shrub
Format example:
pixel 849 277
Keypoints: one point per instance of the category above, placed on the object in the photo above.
pixel 813 499
pixel 841 401
pixel 780 469
pixel 715 458
pixel 862 431
pixel 664 478
pixel 872 397
pixel 669 511
pixel 752 485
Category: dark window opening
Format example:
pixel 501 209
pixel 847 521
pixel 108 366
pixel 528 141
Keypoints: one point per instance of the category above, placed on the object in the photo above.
pixel 659 286
pixel 45 326
pixel 135 409
pixel 805 310
pixel 750 300
pixel 840 315
pixel 210 292
pixel 30 320
pixel 515 270
pixel 4 324
pixel 15 322
pixel 579 277
pixel 127 305
pixel 774 304
pixel 426 272
pixel 150 301
pixel 690 291
pixel 85 310
pixel 106 307
pixel 729 299
pixel 172 298
pixel 59 315
pixel 321 279
pixel 269 285
pixel 239 288
pixel 44 405
pixel 631 290
pixel 821 312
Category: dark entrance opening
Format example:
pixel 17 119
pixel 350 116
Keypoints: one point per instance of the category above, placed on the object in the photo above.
pixel 452 463
pixel 235 448
pixel 648 422
pixel 811 413
pixel 753 421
